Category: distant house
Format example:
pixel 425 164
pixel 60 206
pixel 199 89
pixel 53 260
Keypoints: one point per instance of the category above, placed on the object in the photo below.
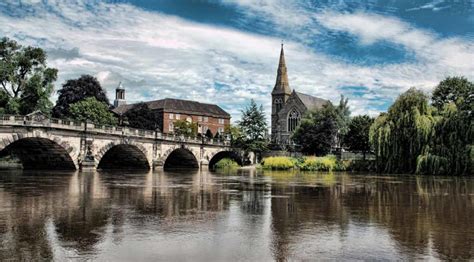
pixel 169 110
pixel 288 106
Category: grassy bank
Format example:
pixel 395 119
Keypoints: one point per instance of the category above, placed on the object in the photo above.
pixel 313 163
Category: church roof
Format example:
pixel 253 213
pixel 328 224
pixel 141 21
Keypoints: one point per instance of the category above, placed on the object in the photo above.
pixel 180 106
pixel 311 102
pixel 282 86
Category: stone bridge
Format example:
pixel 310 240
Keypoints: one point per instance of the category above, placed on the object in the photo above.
pixel 43 143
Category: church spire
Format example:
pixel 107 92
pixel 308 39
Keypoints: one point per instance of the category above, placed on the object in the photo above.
pixel 282 85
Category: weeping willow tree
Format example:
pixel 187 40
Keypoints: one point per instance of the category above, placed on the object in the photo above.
pixel 451 151
pixel 401 135
pixel 437 139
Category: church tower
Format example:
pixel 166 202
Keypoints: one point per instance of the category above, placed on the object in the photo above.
pixel 280 94
pixel 119 96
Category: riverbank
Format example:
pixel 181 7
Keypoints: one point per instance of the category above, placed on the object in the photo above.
pixel 313 163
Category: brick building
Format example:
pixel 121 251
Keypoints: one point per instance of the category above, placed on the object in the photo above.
pixel 169 110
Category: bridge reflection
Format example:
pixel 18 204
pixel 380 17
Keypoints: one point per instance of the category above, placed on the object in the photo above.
pixel 274 215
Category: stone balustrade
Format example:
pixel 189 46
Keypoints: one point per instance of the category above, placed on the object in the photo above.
pixel 64 124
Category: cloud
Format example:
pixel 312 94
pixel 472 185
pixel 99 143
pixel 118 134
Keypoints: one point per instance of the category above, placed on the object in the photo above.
pixel 157 55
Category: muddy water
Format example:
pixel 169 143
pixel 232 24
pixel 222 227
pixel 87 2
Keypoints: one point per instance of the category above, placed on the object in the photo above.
pixel 245 215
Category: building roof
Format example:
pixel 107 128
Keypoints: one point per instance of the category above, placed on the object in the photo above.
pixel 282 85
pixel 180 106
pixel 311 102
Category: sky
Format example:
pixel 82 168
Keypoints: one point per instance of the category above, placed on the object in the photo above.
pixel 226 51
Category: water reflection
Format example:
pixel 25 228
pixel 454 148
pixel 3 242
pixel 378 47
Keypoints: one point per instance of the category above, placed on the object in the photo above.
pixel 246 215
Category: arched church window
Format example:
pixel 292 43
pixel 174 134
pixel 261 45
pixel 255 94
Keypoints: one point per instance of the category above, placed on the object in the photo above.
pixel 293 120
pixel 278 104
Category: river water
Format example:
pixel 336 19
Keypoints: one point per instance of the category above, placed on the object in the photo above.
pixel 244 215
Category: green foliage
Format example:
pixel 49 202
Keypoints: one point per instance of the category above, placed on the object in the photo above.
pixel 326 163
pixel 457 90
pixel 452 147
pixel 400 136
pixel 235 134
pixel 357 137
pixel 253 127
pixel 142 117
pixel 278 163
pixel 343 119
pixel 416 137
pixel 317 131
pixel 75 90
pixel 184 128
pixel 226 163
pixel 92 110
pixel 25 78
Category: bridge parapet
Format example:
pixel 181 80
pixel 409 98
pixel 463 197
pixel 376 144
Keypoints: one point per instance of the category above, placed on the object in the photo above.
pixel 65 124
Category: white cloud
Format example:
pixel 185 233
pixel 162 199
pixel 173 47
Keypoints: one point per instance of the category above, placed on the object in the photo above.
pixel 157 55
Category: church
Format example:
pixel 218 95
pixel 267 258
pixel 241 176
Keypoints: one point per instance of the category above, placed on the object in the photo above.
pixel 288 106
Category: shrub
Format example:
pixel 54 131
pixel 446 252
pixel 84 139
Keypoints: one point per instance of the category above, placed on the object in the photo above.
pixel 226 163
pixel 278 163
pixel 326 163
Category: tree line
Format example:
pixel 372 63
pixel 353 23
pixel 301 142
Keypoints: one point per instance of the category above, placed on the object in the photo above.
pixel 418 134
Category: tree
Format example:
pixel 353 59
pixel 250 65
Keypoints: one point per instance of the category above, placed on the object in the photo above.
pixel 401 135
pixel 142 117
pixel 90 109
pixel 457 90
pixel 254 127
pixel 209 134
pixel 451 150
pixel 185 128
pixel 75 90
pixel 235 134
pixel 317 131
pixel 25 78
pixel 357 137
pixel 343 119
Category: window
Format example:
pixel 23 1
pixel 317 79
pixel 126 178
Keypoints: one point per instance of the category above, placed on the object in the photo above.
pixel 206 119
pixel 171 127
pixel 293 120
pixel 189 119
pixel 171 116
pixel 278 104
pixel 220 130
pixel 221 121
pixel 178 116
pixel 200 118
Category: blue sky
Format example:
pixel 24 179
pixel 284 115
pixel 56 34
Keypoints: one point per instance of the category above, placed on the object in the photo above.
pixel 226 52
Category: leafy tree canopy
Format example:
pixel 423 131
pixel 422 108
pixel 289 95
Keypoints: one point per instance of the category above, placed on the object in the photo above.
pixel 457 90
pixel 75 90
pixel 185 128
pixel 357 137
pixel 142 117
pixel 400 136
pixel 317 131
pixel 90 109
pixel 26 81
pixel 253 126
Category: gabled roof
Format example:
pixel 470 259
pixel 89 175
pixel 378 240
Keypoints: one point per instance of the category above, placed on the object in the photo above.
pixel 311 102
pixel 179 106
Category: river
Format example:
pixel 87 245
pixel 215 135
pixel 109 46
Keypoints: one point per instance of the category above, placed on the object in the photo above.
pixel 245 215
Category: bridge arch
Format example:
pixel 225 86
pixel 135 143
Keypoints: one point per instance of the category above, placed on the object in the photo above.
pixel 180 157
pixel 122 156
pixel 39 151
pixel 224 154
